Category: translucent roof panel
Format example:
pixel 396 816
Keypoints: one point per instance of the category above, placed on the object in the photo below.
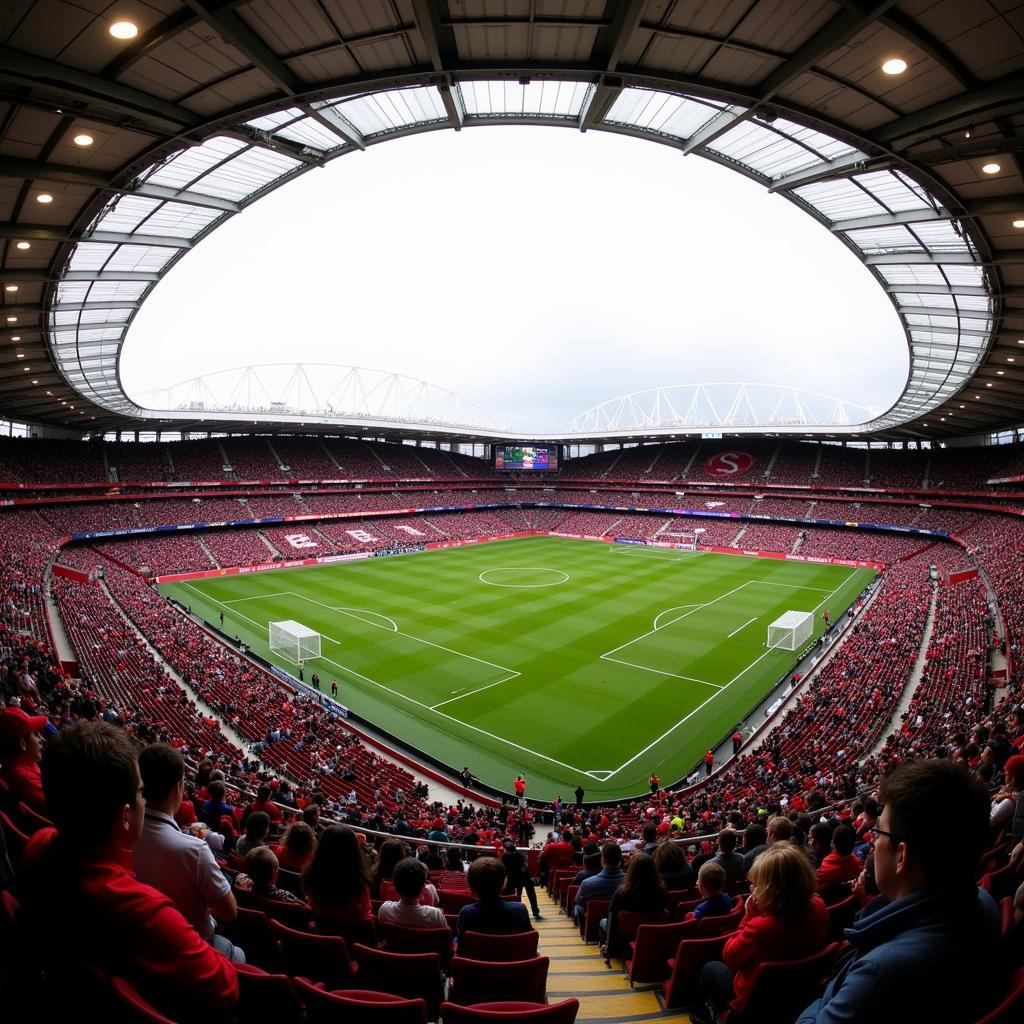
pixel 839 200
pixel 662 112
pixel 125 214
pixel 91 255
pixel 296 125
pixel 885 239
pixel 385 112
pixel 895 191
pixel 246 173
pixel 510 98
pixel 141 258
pixel 178 220
pixel 941 236
pixel 779 149
pixel 185 167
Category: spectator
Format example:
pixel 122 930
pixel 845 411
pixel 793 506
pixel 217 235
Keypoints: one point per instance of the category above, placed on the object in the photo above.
pixel 729 859
pixel 754 840
pixel 711 884
pixel 603 885
pixel 927 951
pixel 491 914
pixel 780 829
pixel 784 920
pixel 839 866
pixel 1008 803
pixel 215 807
pixel 409 878
pixel 558 853
pixel 256 830
pixel 821 842
pixel 260 876
pixel 81 876
pixel 20 750
pixel 391 852
pixel 650 838
pixel 181 866
pixel 296 848
pixel 337 880
pixel 642 892
pixel 517 875
pixel 674 866
pixel 265 804
pixel 591 865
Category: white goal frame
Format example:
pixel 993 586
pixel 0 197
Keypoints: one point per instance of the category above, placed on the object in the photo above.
pixel 687 540
pixel 293 641
pixel 791 630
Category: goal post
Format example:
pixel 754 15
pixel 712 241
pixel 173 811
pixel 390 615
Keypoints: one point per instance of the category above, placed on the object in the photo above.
pixel 791 630
pixel 293 641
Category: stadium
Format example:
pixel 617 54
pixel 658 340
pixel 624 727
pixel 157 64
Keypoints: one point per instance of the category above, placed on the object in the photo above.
pixel 320 682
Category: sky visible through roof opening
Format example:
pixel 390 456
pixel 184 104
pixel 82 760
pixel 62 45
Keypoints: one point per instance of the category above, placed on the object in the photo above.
pixel 535 271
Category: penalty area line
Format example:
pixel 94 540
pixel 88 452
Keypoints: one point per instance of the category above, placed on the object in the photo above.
pixel 741 628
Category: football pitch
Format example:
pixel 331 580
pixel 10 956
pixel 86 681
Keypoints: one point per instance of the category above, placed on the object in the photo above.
pixel 573 662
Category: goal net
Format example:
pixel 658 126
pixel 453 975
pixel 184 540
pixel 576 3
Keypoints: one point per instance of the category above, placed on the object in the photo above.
pixel 293 641
pixel 791 631
pixel 687 541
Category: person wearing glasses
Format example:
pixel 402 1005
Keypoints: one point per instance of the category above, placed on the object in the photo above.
pixel 926 949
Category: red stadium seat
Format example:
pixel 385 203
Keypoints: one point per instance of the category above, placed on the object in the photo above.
pixel 251 931
pixel 840 917
pixel 653 947
pixel 479 981
pixel 133 1007
pixel 499 948
pixel 681 988
pixel 593 912
pixel 263 996
pixel 319 957
pixel 513 1013
pixel 397 939
pixel 409 975
pixel 1010 1009
pixel 358 1006
pixel 781 989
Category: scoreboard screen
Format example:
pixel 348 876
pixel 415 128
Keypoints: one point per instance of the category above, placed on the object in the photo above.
pixel 526 457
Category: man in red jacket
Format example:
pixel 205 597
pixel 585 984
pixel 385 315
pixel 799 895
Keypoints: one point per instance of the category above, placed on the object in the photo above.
pixel 82 904
pixel 20 747
pixel 839 866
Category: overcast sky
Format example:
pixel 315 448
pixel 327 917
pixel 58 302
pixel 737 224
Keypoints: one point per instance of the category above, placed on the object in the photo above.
pixel 536 271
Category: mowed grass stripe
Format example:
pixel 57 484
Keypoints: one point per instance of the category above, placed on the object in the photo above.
pixel 568 704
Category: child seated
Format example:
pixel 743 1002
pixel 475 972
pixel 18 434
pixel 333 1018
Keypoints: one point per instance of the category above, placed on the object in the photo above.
pixel 409 877
pixel 710 883
pixel 260 876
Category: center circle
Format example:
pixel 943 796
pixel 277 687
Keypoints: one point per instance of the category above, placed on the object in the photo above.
pixel 523 578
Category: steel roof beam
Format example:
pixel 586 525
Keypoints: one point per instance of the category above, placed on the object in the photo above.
pixel 610 42
pixel 41 170
pixel 937 289
pixel 840 30
pixel 890 258
pixel 182 196
pixel 882 220
pixel 234 31
pixel 80 87
pixel 438 38
pixel 720 123
pixel 337 124
pixel 78 307
pixel 999 97
pixel 45 233
pixel 841 167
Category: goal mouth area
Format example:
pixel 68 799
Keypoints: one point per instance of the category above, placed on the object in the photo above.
pixel 292 641
pixel 790 631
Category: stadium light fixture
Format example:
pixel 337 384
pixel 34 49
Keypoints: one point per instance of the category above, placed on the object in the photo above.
pixel 21 355
pixel 124 30
pixel 988 384
pixel 1019 223
pixel 24 245
pixel 85 139
pixel 12 319
pixel 992 168
pixel 35 382
pixel 999 373
pixel 1011 359
pixel 16 337
pixel 10 288
pixel 894 66
pixel 44 198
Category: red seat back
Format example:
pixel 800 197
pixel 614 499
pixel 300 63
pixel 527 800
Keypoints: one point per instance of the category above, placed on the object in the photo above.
pixel 782 988
pixel 629 921
pixel 409 975
pixel 358 1006
pixel 501 948
pixel 652 948
pixel 320 957
pixel 553 1013
pixel 397 939
pixel 593 912
pixel 263 996
pixel 133 1007
pixel 1011 1007
pixel 682 986
pixel 251 931
pixel 840 917
pixel 480 981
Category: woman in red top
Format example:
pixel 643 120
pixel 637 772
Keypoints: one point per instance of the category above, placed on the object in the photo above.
pixel 784 920
pixel 296 848
pixel 337 883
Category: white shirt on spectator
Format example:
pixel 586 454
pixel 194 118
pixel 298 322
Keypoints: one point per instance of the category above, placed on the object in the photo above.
pixel 411 915
pixel 182 867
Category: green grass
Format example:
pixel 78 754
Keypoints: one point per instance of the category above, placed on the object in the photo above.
pixel 589 663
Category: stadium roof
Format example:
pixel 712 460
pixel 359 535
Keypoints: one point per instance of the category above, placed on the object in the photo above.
pixel 117 155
